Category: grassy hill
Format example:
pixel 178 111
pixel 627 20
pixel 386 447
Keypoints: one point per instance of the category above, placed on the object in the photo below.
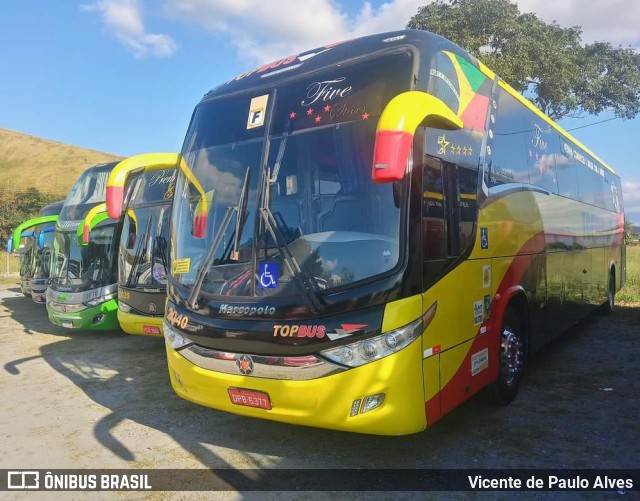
pixel 49 166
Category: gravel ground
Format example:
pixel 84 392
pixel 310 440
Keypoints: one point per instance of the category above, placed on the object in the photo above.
pixel 77 399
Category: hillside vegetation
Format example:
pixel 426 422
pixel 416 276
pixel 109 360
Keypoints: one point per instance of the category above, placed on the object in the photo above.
pixel 51 167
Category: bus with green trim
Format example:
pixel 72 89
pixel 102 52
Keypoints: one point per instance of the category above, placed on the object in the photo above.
pixel 365 235
pixel 82 293
pixel 32 234
pixel 42 270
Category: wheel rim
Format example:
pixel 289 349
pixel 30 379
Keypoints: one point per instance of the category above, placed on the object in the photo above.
pixel 511 354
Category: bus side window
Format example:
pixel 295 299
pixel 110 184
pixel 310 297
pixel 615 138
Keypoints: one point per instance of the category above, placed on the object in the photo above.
pixel 509 149
pixel 434 221
pixel 467 193
pixel 544 149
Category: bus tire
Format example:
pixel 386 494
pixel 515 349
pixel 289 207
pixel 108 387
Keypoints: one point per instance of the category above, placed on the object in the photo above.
pixel 511 352
pixel 607 308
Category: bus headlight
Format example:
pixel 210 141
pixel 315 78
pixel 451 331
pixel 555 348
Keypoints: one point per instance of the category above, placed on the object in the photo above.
pixel 101 299
pixel 174 338
pixel 375 348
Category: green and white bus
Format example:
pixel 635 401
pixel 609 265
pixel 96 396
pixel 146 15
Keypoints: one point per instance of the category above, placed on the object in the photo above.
pixel 83 289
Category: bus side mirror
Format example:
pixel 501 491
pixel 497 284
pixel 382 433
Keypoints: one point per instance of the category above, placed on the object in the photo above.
pixel 396 127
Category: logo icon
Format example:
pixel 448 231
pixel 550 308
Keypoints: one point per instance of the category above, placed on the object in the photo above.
pixel 23 479
pixel 244 363
pixel 268 274
pixel 152 307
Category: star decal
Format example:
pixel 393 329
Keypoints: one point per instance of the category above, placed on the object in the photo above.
pixel 292 115
pixel 310 111
pixel 327 108
pixel 442 141
pixel 318 119
pixel 365 116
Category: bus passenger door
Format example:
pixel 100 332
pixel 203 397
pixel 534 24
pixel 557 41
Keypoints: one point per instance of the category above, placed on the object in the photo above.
pixel 458 285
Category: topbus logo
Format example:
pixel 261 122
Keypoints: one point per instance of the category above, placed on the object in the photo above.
pixel 249 311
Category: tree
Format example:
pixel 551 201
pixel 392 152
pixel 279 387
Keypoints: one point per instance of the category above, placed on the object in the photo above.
pixel 628 232
pixel 563 76
pixel 19 205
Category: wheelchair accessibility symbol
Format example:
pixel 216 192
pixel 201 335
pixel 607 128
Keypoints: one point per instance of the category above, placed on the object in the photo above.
pixel 268 274
pixel 484 238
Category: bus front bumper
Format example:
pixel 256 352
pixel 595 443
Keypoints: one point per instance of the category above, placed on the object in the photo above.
pixel 140 324
pixel 325 402
pixel 101 317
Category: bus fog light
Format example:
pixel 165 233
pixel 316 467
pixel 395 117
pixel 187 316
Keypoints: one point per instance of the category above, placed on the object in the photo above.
pixel 371 402
pixel 124 307
pixel 97 319
pixel 355 407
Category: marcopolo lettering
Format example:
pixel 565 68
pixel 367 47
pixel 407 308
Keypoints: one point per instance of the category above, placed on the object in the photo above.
pixel 245 310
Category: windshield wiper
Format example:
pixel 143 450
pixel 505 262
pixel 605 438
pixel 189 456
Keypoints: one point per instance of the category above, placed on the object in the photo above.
pixel 293 267
pixel 142 249
pixel 240 209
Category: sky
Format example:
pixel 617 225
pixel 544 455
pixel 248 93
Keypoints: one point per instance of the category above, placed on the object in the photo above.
pixel 123 76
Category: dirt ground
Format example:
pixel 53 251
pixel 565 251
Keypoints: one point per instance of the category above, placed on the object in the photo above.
pixel 76 399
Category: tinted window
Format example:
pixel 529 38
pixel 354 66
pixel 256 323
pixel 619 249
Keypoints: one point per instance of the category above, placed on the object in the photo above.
pixel 466 91
pixel 341 94
pixel 543 148
pixel 508 147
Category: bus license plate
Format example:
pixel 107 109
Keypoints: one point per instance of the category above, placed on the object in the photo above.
pixel 67 324
pixel 250 398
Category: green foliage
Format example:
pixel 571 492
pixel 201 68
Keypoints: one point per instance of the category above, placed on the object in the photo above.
pixel 563 76
pixel 630 293
pixel 16 206
pixel 628 232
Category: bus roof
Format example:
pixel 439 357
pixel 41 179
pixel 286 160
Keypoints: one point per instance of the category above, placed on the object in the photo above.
pixel 336 53
pixel 53 209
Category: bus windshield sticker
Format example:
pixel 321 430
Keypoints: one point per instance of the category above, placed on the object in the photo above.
pixel 257 111
pixel 487 307
pixel 478 307
pixel 479 361
pixel 486 276
pixel 181 266
pixel 268 274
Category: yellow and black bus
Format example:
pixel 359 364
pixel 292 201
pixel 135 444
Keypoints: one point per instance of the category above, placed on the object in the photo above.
pixel 139 194
pixel 365 235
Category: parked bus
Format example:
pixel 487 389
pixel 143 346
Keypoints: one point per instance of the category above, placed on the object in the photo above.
pixel 83 288
pixel 27 252
pixel 33 232
pixel 365 235
pixel 143 250
pixel 42 270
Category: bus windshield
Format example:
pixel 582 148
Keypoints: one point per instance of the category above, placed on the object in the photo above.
pixel 145 230
pixel 88 191
pixel 85 267
pixel 291 195
pixel 28 257
pixel 143 247
pixel 43 264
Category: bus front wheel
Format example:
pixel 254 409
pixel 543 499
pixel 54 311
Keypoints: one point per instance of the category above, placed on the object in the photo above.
pixel 510 359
